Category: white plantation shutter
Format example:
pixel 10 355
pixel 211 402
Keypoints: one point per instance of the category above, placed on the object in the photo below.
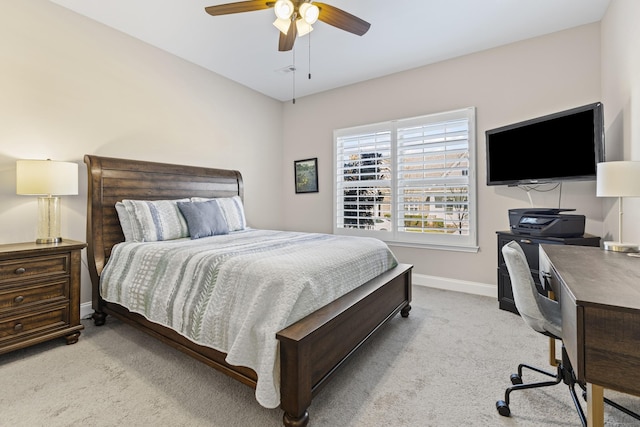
pixel 408 181
pixel 433 179
pixel 364 180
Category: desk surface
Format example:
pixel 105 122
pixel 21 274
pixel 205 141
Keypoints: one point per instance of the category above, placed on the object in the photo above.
pixel 599 294
pixel 597 277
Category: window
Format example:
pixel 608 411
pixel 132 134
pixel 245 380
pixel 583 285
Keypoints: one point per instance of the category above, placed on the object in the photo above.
pixel 409 181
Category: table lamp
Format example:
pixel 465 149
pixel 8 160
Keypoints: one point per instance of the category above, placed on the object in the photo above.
pixel 47 179
pixel 619 179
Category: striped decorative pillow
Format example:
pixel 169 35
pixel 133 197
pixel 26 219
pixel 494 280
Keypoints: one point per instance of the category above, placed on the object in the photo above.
pixel 125 222
pixel 156 220
pixel 233 211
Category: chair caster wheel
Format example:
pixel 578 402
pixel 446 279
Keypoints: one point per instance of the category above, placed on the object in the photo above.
pixel 503 408
pixel 516 379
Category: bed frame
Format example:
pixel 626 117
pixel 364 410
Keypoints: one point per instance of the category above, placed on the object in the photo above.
pixel 311 350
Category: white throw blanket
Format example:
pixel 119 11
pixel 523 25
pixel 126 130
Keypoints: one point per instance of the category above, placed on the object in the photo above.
pixel 234 292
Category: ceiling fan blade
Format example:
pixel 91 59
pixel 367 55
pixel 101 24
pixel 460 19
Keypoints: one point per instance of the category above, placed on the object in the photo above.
pixel 287 40
pixel 238 7
pixel 340 19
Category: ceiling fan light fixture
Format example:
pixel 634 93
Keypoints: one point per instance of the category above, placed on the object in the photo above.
pixel 283 9
pixel 295 17
pixel 309 13
pixel 283 25
pixel 303 28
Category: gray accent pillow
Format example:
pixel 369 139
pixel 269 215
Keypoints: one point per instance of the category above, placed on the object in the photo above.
pixel 203 218
pixel 232 209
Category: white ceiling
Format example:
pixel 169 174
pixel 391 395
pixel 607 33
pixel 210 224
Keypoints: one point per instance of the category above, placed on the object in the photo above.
pixel 404 34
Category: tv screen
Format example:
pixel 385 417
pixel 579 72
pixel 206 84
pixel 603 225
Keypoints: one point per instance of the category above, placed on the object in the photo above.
pixel 562 146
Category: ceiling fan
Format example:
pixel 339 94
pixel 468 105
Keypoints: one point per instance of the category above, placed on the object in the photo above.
pixel 295 17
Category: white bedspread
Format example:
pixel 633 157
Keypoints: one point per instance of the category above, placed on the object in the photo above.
pixel 234 292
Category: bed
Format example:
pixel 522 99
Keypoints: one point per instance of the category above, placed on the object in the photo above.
pixel 310 350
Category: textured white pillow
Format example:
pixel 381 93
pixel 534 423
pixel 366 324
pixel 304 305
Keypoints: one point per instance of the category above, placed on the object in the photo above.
pixel 233 211
pixel 156 220
pixel 125 222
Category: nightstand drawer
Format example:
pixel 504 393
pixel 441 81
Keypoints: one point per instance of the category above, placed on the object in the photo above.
pixel 33 294
pixel 38 266
pixel 34 323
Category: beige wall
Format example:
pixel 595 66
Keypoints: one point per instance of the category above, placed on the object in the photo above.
pixel 621 96
pixel 506 84
pixel 70 86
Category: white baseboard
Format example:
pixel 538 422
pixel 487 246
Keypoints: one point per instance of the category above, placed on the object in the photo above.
pixel 455 285
pixel 86 310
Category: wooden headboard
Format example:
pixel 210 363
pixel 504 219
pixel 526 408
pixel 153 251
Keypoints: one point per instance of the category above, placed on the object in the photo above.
pixel 112 180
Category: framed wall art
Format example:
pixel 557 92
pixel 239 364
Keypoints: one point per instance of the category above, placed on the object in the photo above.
pixel 306 175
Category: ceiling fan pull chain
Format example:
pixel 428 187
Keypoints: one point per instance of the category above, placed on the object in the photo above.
pixel 309 56
pixel 293 51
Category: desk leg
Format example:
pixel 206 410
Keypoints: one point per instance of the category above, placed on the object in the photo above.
pixel 553 360
pixel 595 405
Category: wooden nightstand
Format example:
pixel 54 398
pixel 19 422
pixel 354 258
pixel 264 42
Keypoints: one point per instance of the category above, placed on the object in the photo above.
pixel 39 293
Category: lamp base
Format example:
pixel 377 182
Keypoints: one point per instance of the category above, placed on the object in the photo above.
pixel 48 240
pixel 48 220
pixel 621 247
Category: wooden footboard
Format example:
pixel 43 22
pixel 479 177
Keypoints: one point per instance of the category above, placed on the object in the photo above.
pixel 311 350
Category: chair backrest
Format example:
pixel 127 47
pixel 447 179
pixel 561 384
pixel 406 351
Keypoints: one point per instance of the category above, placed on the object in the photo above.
pixel 540 313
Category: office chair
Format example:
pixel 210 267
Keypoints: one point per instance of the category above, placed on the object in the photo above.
pixel 542 315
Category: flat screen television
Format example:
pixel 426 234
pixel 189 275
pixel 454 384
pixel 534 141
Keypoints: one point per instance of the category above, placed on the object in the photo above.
pixel 558 147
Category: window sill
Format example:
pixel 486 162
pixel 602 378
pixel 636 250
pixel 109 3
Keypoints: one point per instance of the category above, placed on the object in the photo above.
pixel 453 248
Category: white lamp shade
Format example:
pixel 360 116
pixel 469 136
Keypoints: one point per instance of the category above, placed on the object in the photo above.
pixel 283 25
pixel 309 13
pixel 283 9
pixel 46 177
pixel 303 28
pixel 618 179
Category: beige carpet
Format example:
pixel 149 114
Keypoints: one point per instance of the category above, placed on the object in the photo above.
pixel 445 365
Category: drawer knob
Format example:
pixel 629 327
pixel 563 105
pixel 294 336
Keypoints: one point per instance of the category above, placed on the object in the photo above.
pixel 18 327
pixel 18 299
pixel 20 270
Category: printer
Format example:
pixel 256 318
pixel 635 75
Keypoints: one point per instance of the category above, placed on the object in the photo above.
pixel 546 222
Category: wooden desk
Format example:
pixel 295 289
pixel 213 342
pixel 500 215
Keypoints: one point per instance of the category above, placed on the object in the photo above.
pixel 599 294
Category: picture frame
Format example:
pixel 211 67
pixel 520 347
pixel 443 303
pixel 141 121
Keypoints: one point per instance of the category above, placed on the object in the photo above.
pixel 306 175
